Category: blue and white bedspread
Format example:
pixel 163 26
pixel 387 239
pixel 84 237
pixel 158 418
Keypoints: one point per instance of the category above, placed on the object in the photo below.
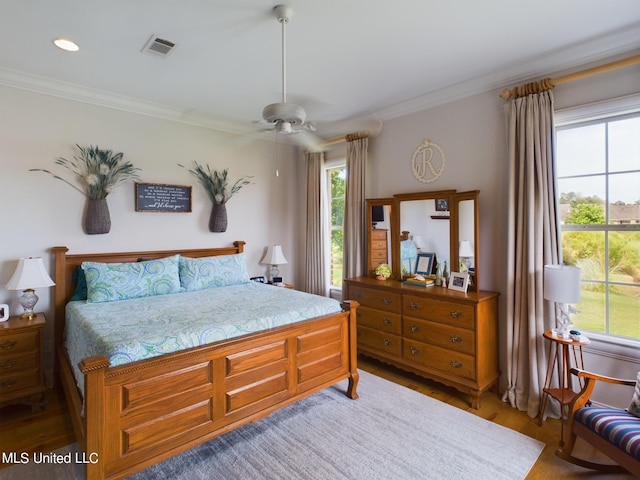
pixel 129 330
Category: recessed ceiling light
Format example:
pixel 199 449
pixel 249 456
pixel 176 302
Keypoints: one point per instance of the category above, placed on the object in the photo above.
pixel 66 44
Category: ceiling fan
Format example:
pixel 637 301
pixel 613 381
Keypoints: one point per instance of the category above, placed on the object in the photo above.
pixel 288 118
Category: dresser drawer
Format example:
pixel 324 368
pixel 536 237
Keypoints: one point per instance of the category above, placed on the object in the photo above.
pixel 370 338
pixel 448 361
pixel 10 383
pixel 446 336
pixel 383 300
pixel 379 255
pixel 17 361
pixel 438 310
pixel 379 235
pixel 379 245
pixel 380 320
pixel 16 343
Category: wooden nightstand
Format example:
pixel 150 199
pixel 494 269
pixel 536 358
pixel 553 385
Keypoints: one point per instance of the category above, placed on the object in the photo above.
pixel 21 361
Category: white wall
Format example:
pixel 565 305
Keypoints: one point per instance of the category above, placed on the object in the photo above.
pixel 39 212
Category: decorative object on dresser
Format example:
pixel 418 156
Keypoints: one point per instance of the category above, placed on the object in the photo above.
pixel 21 361
pixel 446 335
pixel 217 186
pixel 274 257
pixel 99 172
pixel 562 286
pixel 383 271
pixel 122 408
pixel 29 275
pixel 4 312
pixel 459 281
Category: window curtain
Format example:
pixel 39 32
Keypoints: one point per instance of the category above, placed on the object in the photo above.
pixel 354 210
pixel 316 281
pixel 533 241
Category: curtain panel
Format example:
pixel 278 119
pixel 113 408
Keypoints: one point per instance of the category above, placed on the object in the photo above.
pixel 354 211
pixel 315 278
pixel 533 241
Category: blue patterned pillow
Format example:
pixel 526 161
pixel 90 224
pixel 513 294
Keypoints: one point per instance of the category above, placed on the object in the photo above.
pixel 107 282
pixel 208 272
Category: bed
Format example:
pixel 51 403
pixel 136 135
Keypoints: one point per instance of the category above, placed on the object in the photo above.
pixel 132 414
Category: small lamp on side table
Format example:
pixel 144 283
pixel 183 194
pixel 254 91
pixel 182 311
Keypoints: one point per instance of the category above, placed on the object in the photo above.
pixel 29 275
pixel 562 286
pixel 274 257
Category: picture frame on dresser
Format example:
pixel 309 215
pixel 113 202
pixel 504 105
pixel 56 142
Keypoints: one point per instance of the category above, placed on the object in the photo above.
pixel 424 263
pixel 459 281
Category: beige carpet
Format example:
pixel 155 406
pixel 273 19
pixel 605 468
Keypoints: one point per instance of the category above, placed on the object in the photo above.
pixel 390 432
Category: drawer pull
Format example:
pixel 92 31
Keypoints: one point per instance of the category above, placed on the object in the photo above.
pixel 456 364
pixel 357 295
pixel 386 321
pixel 357 333
pixel 456 339
pixel 8 364
pixel 387 342
pixel 415 328
pixel 386 301
pixel 456 314
pixel 358 313
pixel 7 384
pixel 9 344
pixel 415 351
pixel 415 306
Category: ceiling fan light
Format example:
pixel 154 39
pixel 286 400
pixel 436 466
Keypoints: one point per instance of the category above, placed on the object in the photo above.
pixel 283 127
pixel 285 112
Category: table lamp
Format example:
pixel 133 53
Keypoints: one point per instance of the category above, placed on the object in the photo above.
pixel 29 275
pixel 562 286
pixel 274 257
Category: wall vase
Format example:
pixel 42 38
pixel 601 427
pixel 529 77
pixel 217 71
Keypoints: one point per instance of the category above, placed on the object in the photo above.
pixel 218 219
pixel 96 217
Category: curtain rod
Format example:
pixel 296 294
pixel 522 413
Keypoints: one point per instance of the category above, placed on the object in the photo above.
pixel 549 83
pixel 350 137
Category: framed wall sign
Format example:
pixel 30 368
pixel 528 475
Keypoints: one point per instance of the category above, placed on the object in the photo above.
pixel 159 197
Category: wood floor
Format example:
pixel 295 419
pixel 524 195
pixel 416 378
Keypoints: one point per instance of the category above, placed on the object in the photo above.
pixel 20 431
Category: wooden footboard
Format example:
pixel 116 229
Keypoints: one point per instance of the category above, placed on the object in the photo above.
pixel 139 414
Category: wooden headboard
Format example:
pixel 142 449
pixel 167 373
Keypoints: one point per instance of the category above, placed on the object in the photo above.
pixel 65 266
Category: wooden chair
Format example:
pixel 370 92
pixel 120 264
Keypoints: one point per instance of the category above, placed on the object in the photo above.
pixel 612 431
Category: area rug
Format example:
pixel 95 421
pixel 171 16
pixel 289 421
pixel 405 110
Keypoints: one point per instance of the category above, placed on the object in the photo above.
pixel 390 432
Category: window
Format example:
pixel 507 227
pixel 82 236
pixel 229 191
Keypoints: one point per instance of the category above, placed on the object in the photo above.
pixel 598 171
pixel 336 186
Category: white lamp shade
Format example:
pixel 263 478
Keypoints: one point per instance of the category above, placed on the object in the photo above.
pixel 465 249
pixel 562 283
pixel 418 241
pixel 29 274
pixel 274 256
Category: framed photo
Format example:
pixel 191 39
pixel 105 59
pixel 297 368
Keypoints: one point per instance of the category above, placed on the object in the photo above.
pixel 442 204
pixel 424 263
pixel 459 281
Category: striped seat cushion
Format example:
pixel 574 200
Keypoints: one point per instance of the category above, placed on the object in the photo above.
pixel 616 426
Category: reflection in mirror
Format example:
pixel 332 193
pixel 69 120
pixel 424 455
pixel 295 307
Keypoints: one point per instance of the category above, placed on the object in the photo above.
pixel 379 232
pixel 466 205
pixel 425 230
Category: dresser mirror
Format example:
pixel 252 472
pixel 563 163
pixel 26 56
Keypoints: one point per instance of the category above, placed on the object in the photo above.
pixel 442 222
pixel 379 219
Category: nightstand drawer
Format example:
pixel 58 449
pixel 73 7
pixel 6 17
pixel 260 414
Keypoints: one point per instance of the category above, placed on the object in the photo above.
pixel 381 299
pixel 385 321
pixel 445 336
pixel 440 311
pixel 9 363
pixel 18 343
pixel 369 338
pixel 19 380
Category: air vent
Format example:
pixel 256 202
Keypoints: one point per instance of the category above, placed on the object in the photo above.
pixel 158 46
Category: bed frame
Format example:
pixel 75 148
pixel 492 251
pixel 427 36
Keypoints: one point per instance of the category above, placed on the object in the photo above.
pixel 139 414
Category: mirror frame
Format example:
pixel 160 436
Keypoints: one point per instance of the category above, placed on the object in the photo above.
pixel 454 199
pixel 377 202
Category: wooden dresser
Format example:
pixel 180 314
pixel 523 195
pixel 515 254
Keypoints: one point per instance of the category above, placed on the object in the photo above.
pixel 378 248
pixel 444 335
pixel 21 361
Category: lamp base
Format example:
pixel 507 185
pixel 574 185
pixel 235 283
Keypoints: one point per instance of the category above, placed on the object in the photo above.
pixel 28 300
